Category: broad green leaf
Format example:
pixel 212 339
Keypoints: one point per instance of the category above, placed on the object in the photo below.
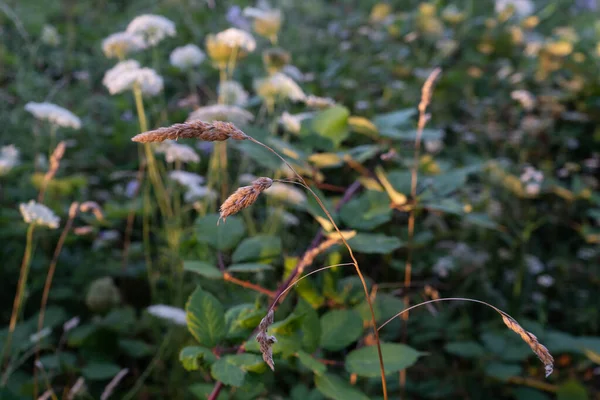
pixel 396 357
pixel 334 387
pixel 191 355
pixel 529 394
pixel 202 391
pixel 202 268
pixel 226 371
pixel 367 212
pixel 223 235
pixel 248 267
pixel 571 390
pixel 502 371
pixel 332 124
pixel 311 326
pixel 135 348
pixel 467 349
pixel 340 328
pixel 309 362
pixel 394 119
pixel 374 243
pixel 59 360
pixel 259 154
pixel 363 126
pixel 257 248
pixel 99 371
pixel 205 318
pixel 411 134
pixel 248 362
pixel 289 325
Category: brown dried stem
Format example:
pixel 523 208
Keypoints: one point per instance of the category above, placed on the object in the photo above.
pixel 540 350
pixel 55 158
pixel 249 285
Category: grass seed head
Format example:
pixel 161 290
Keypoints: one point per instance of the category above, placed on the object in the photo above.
pixel 244 197
pixel 266 342
pixel 217 131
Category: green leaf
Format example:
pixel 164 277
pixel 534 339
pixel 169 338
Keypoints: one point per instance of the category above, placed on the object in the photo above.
pixel 226 371
pixel 205 318
pixel 367 212
pixel 98 371
pixel 571 390
pixel 202 391
pixel 394 119
pixel 502 371
pixel 374 243
pixel 190 355
pixel 309 362
pixel 135 348
pixel 257 248
pixel 259 154
pixel 334 387
pixel 203 268
pixel 248 267
pixel 57 361
pixel 248 362
pixel 529 394
pixel 396 356
pixel 340 328
pixel 467 349
pixel 223 235
pixel 332 124
pixel 311 326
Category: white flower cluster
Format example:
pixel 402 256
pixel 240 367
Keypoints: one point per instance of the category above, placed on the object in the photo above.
pixel 174 151
pixel 169 313
pixel 9 158
pixel 56 115
pixel 193 184
pixel 522 8
pixel 126 74
pixel 50 36
pixel 279 86
pixel 187 57
pixel 39 214
pixel 287 193
pixel 318 102
pixel 236 38
pixel 121 44
pixel 524 97
pixel 532 179
pixel 222 112
pixel 293 122
pixel 233 93
pixel 151 28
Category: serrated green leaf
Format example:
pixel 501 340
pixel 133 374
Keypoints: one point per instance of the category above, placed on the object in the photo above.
pixel 248 267
pixel 248 362
pixel 191 355
pixel 258 248
pixel 205 318
pixel 374 243
pixel 340 328
pixel 226 371
pixel 309 362
pixel 396 357
pixel 203 268
pixel 334 387
pixel 332 124
pixel 223 235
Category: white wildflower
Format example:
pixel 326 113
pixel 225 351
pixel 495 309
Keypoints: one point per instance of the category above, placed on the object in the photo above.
pixel 169 313
pixel 267 22
pixel 71 324
pixel 545 280
pixel 524 97
pixel 9 158
pixel 187 57
pixel 50 36
pixel 287 218
pixel 126 74
pixel 434 146
pixel 233 93
pixel 278 87
pixel 39 214
pixel 222 112
pixel 294 72
pixel 177 152
pixel 56 115
pixel 534 264
pixel 522 8
pixel 293 122
pixel 443 266
pixel 286 192
pixel 198 192
pixel 236 38
pixel 36 337
pixel 185 178
pixel 318 102
pixel 532 179
pixel 152 28
pixel 120 44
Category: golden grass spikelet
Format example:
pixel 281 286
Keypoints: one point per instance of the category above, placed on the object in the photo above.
pixel 266 342
pixel 216 131
pixel 244 197
pixel 539 349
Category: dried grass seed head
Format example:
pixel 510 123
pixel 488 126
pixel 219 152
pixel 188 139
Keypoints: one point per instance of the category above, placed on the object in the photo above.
pixel 266 342
pixel 244 197
pixel 217 131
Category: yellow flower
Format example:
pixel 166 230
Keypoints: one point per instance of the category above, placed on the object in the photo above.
pixel 380 12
